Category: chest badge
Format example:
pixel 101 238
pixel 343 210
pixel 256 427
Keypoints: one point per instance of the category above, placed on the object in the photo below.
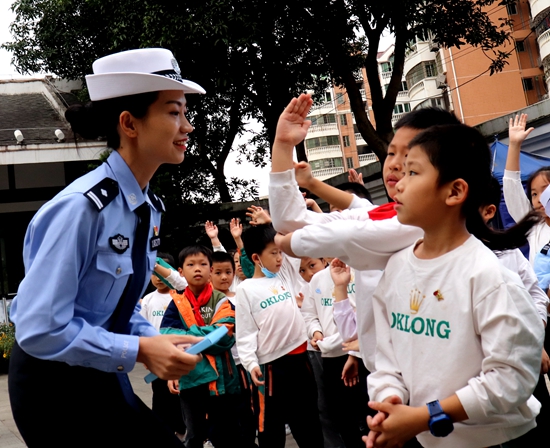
pixel 439 295
pixel 155 240
pixel 119 243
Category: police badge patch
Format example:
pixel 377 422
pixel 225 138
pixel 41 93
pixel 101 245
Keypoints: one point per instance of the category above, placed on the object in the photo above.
pixel 119 243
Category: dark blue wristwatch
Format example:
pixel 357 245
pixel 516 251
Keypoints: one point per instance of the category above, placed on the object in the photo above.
pixel 440 423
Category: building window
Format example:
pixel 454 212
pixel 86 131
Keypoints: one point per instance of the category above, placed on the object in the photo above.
pixel 512 9
pixel 520 46
pixel 401 108
pixel 326 163
pixel 340 98
pixel 349 162
pixel 527 84
pixel 386 67
pixel 323 119
pixel 345 138
pixel 328 97
pixel 343 120
pixel 423 70
pixel 331 140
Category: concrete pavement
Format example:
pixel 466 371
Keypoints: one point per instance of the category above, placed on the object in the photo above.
pixel 10 437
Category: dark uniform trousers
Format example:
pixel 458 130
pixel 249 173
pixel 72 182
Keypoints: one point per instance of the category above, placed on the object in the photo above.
pixel 66 405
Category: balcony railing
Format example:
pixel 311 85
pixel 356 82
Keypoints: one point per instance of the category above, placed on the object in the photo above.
pixel 387 75
pixel 365 159
pixel 358 137
pixel 396 117
pixel 328 172
pixel 403 94
pixel 332 150
pixel 363 94
pixel 326 105
pixel 544 44
pixel 538 6
pixel 324 127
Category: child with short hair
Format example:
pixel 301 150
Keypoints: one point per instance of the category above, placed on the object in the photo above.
pixel 458 336
pixel 213 386
pixel 271 340
pixel 223 272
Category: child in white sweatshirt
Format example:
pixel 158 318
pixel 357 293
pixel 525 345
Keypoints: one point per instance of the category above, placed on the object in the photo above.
pixel 271 341
pixel 458 336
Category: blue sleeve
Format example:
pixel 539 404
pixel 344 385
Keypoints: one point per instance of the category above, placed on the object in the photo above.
pixel 542 270
pixel 56 317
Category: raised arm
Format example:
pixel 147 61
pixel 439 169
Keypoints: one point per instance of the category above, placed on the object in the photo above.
pixel 291 129
pixel 338 198
pixel 211 230
pixel 517 202
pixel 517 135
pixel 236 229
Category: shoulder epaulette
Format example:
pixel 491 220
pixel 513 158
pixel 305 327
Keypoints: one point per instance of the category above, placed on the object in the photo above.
pixel 156 201
pixel 103 193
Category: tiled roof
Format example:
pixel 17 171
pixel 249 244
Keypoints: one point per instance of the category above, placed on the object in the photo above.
pixel 34 115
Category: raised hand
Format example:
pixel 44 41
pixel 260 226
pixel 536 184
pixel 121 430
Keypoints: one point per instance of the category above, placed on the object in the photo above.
pixel 340 273
pixel 258 215
pixel 353 176
pixel 516 130
pixel 211 230
pixel 293 126
pixel 236 228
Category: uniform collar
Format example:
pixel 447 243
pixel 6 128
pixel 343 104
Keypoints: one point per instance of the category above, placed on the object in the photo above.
pixel 129 187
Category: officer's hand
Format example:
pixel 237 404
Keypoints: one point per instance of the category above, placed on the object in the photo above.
pixel 164 359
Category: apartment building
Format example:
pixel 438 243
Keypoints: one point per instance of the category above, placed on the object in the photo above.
pixel 458 78
pixel 540 23
pixel 333 144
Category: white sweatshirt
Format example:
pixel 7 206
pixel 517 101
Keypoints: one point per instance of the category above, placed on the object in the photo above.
pixel 153 307
pixel 518 205
pixel 460 323
pixel 268 321
pixel 351 235
pixel 516 262
pixel 317 310
pixel 177 281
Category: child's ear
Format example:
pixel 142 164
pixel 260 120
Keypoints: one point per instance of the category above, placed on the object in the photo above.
pixel 457 192
pixel 489 212
pixel 180 270
pixel 255 258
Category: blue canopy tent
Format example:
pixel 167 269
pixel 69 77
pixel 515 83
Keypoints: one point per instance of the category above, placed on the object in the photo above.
pixel 528 162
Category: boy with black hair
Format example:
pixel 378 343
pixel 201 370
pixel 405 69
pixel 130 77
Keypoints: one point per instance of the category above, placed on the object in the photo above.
pixel 271 340
pixel 213 387
pixel 223 272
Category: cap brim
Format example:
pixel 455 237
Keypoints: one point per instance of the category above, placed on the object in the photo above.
pixel 113 85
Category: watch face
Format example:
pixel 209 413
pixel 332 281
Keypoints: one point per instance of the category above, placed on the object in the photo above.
pixel 441 425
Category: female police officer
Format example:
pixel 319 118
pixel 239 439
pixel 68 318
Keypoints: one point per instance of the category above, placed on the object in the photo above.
pixel 88 254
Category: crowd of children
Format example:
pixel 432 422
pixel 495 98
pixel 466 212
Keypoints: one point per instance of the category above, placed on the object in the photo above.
pixel 418 304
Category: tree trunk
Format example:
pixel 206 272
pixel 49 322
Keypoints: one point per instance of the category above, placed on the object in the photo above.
pixel 301 151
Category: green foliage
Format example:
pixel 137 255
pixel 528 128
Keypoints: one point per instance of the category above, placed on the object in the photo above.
pixel 252 56
pixel 7 339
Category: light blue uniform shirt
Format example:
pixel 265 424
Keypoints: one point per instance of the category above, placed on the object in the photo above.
pixel 75 275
